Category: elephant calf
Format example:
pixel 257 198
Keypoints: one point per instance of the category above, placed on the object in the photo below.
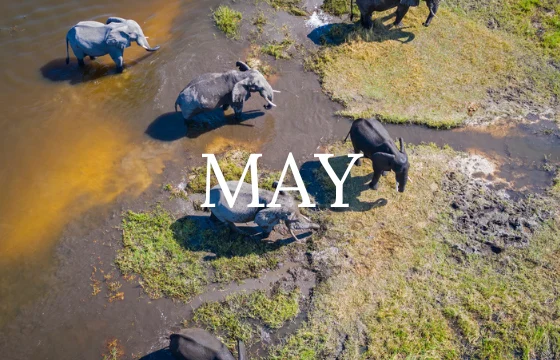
pixel 211 91
pixel 92 38
pixel 266 217
pixel 199 344
pixel 371 138
pixel 367 7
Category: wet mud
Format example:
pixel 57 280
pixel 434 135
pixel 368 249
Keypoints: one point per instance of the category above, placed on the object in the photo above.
pixel 82 146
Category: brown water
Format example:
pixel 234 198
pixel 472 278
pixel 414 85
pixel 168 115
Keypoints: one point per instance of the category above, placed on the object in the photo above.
pixel 76 140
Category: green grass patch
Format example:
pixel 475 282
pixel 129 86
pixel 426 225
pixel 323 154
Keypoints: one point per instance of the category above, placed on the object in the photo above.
pixel 151 250
pixel 407 294
pixel 438 76
pixel 228 21
pixel 235 317
pixel 536 20
pixel 294 7
pixel 340 7
pixel 279 50
pixel 232 163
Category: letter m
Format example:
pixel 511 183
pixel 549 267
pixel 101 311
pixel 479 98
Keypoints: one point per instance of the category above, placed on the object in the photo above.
pixel 212 165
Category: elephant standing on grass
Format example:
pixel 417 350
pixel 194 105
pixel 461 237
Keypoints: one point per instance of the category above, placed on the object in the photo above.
pixel 232 88
pixel 370 137
pixel 266 217
pixel 367 7
pixel 199 344
pixel 92 38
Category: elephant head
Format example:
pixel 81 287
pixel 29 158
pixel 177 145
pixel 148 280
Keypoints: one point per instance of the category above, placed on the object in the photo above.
pixel 126 31
pixel 253 81
pixel 199 344
pixel 288 213
pixel 397 162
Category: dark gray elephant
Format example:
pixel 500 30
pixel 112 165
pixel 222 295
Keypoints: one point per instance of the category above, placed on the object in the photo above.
pixel 367 7
pixel 371 138
pixel 232 88
pixel 265 217
pixel 199 344
pixel 92 38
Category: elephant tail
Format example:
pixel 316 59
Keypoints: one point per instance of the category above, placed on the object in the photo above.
pixel 346 138
pixel 67 54
pixel 176 103
pixel 351 15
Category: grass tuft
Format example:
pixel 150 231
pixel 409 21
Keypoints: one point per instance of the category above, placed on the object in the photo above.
pixel 279 50
pixel 228 21
pixel 236 316
pixel 293 7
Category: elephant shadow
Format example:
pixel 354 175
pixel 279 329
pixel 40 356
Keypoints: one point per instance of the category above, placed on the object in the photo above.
pixel 170 126
pixel 58 71
pixel 161 354
pixel 339 33
pixel 201 234
pixel 319 185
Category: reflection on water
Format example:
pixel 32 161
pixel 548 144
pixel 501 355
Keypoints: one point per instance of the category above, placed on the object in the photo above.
pixel 67 142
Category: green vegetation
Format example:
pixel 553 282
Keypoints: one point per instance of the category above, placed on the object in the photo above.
pixel 151 250
pixel 423 75
pixel 536 20
pixel 228 21
pixel 232 163
pixel 407 293
pixel 340 7
pixel 292 6
pixel 260 20
pixel 279 50
pixel 236 316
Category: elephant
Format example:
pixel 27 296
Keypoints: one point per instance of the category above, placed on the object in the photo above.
pixel 232 88
pixel 370 137
pixel 367 7
pixel 265 217
pixel 199 344
pixel 92 38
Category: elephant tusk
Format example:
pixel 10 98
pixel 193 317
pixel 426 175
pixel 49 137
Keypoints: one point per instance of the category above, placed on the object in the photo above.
pixel 276 91
pixel 147 37
pixel 291 231
pixel 397 186
pixel 409 179
pixel 270 103
pixel 305 217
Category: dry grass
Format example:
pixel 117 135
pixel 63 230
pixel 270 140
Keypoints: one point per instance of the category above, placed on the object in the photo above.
pixel 407 294
pixel 433 76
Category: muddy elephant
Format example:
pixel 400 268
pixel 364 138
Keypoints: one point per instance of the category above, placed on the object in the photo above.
pixel 199 344
pixel 370 137
pixel 367 7
pixel 214 90
pixel 92 38
pixel 265 217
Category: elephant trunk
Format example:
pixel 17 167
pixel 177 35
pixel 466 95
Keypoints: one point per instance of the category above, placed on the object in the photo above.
pixel 141 40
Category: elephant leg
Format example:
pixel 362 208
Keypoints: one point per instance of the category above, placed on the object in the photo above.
pixel 374 184
pixel 401 12
pixel 238 109
pixel 359 161
pixel 80 55
pixel 385 173
pixel 225 107
pixel 365 20
pixel 117 57
pixel 92 57
pixel 433 6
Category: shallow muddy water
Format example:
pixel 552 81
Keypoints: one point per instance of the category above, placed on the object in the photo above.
pixel 76 144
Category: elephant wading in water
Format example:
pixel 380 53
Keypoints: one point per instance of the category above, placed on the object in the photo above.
pixel 367 7
pixel 371 138
pixel 266 217
pixel 92 38
pixel 232 88
pixel 199 344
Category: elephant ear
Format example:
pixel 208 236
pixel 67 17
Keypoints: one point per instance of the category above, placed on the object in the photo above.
pixel 115 19
pixel 240 91
pixel 118 37
pixel 383 161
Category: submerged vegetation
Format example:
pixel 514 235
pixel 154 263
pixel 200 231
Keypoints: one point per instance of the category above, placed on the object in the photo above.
pixel 228 20
pixel 294 7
